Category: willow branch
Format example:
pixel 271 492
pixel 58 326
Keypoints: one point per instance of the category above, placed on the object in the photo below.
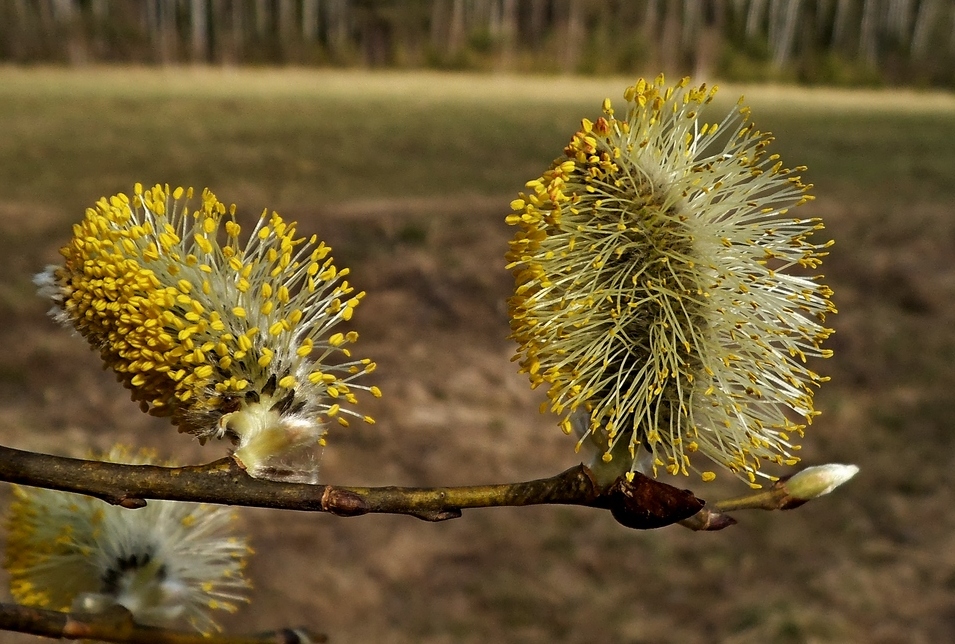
pixel 117 625
pixel 640 504
pixel 714 516
pixel 786 493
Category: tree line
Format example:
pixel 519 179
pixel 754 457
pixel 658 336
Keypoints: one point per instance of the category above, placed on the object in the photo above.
pixel 848 42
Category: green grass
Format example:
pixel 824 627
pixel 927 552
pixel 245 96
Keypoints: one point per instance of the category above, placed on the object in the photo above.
pixel 283 139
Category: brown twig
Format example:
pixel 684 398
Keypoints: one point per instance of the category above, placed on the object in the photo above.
pixel 641 504
pixel 118 626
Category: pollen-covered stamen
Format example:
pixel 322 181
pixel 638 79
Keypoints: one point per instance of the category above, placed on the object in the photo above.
pixel 192 319
pixel 650 287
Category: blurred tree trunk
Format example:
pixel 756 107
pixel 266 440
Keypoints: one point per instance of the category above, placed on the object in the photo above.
pixel 951 33
pixel 456 31
pixel 868 32
pixel 238 35
pixel 509 11
pixel 199 22
pixel 755 18
pixel 670 39
pixel 840 23
pixel 573 34
pixel 377 34
pixel 787 18
pixel 709 40
pixel 692 17
pixel 536 22
pixel 70 30
pixel 166 34
pixel 310 20
pixel 337 27
pixel 899 19
pixel 47 39
pixel 286 29
pixel 263 18
pixel 494 19
pixel 440 19
pixel 823 13
pixel 224 32
pixel 650 32
pixel 483 14
pixel 773 23
pixel 99 21
pixel 18 30
pixel 924 22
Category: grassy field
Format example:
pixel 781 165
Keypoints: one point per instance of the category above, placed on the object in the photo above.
pixel 408 177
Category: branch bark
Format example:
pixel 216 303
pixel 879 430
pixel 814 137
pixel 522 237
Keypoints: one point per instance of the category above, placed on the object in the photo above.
pixel 642 503
pixel 118 626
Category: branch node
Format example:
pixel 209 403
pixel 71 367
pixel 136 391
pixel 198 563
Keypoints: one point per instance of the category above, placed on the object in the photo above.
pixel 791 503
pixel 74 629
pixel 437 515
pixel 644 504
pixel 131 502
pixel 708 519
pixel 343 502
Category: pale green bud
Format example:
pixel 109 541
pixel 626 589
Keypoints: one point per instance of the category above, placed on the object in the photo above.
pixel 819 480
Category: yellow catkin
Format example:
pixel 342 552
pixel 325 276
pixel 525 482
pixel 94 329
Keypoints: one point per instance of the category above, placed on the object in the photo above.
pixel 643 298
pixel 62 546
pixel 183 319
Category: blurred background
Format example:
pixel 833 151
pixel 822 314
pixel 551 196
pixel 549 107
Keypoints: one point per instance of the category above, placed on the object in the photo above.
pixel 841 42
pixel 399 132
